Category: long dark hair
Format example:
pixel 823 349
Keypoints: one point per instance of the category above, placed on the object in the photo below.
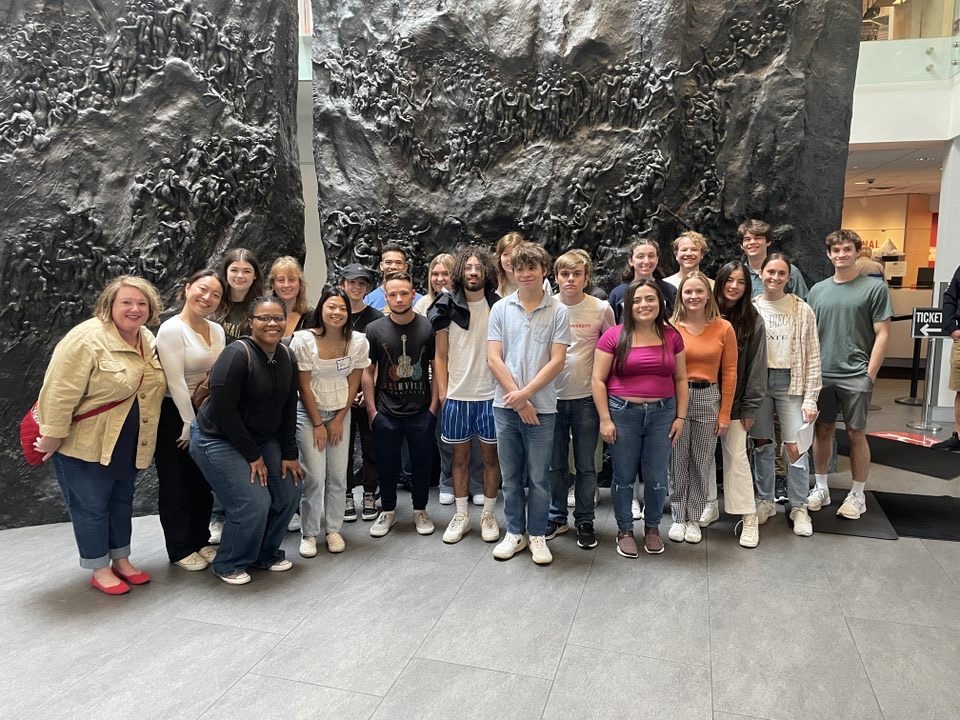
pixel 199 274
pixel 317 320
pixel 742 314
pixel 256 287
pixel 626 334
pixel 490 270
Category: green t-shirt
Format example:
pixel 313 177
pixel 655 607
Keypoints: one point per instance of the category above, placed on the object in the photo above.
pixel 845 314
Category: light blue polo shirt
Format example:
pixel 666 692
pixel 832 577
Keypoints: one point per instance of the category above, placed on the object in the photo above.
pixel 527 339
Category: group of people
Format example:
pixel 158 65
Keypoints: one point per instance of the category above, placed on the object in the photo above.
pixel 509 383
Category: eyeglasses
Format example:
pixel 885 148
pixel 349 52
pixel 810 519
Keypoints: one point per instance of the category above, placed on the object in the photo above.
pixel 267 319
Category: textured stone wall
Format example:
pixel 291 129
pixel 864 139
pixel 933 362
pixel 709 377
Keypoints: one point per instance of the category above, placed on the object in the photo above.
pixel 140 137
pixel 582 123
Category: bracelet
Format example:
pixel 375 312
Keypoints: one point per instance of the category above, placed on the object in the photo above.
pixel 320 425
pixel 679 418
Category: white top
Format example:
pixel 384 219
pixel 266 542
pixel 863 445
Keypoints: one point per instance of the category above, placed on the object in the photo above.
pixel 677 277
pixel 186 360
pixel 469 375
pixel 328 378
pixel 589 319
pixel 421 306
pixel 778 319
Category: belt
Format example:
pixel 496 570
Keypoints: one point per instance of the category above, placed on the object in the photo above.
pixel 699 383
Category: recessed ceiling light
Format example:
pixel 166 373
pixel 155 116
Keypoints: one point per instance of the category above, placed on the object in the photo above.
pixel 860 182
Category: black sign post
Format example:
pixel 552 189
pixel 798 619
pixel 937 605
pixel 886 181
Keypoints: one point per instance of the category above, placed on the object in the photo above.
pixel 928 323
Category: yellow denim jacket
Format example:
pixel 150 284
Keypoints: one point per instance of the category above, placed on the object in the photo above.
pixel 91 367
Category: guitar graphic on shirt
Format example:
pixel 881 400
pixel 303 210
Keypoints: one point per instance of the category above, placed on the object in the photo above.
pixel 404 364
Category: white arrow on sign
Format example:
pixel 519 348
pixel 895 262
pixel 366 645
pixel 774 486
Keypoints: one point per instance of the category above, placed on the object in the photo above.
pixel 925 329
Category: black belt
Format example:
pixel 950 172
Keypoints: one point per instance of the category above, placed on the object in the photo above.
pixel 699 383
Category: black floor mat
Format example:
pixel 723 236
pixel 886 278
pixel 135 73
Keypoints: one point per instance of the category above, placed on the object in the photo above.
pixel 873 523
pixel 941 464
pixel 922 516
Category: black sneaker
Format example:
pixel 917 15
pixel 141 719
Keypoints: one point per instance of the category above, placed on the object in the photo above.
pixel 780 494
pixel 951 443
pixel 370 511
pixel 555 528
pixel 586 537
pixel 350 511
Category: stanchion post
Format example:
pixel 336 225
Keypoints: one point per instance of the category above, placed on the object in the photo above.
pixel 925 423
pixel 914 377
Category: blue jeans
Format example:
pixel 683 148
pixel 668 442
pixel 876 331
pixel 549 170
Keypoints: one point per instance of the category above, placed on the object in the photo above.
pixel 789 409
pixel 579 417
pixel 525 455
pixel 100 510
pixel 643 437
pixel 256 517
pixel 390 434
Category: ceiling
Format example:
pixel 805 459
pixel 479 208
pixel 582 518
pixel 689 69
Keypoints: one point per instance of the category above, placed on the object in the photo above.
pixel 891 169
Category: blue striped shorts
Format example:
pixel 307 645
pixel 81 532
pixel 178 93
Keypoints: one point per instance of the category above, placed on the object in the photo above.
pixel 460 420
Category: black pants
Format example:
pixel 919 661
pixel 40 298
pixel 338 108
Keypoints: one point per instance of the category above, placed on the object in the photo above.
pixel 184 499
pixel 359 423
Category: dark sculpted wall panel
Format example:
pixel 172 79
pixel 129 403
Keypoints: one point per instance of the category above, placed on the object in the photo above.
pixel 140 137
pixel 582 123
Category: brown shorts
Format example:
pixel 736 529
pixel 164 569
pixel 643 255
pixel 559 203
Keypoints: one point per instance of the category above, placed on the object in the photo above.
pixel 954 383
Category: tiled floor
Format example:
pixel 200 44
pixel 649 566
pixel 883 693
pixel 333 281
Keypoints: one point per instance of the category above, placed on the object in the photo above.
pixel 831 627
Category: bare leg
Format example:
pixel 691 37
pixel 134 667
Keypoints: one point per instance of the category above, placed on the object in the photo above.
pixel 859 455
pixel 491 469
pixel 461 469
pixel 823 447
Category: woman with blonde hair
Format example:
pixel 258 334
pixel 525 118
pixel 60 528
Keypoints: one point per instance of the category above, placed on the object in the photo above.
pixel 438 280
pixel 287 283
pixel 710 343
pixel 98 412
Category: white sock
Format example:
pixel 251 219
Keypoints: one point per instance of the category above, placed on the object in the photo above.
pixel 488 504
pixel 463 505
pixel 857 488
pixel 821 481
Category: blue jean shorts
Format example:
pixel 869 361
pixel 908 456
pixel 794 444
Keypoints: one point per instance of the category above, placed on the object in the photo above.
pixel 460 420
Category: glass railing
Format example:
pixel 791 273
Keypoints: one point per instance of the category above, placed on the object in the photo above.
pixel 907 61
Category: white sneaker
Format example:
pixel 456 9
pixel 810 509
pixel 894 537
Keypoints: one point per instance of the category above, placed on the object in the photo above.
pixel 478 499
pixel 571 498
pixel 766 509
pixel 510 546
pixel 853 507
pixel 385 520
pixel 216 532
pixel 281 565
pixel 422 522
pixel 750 532
pixel 489 530
pixel 446 498
pixel 193 562
pixel 801 521
pixel 459 525
pixel 677 532
pixel 308 547
pixel 208 553
pixel 538 548
pixel 818 498
pixel 335 543
pixel 294 523
pixel 711 513
pixel 692 533
pixel 238 577
pixel 635 510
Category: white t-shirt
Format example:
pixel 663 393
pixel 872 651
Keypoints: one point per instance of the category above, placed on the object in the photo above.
pixel 328 378
pixel 778 319
pixel 469 376
pixel 589 319
pixel 186 359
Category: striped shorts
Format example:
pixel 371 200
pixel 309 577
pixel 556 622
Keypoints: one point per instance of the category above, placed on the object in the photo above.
pixel 460 420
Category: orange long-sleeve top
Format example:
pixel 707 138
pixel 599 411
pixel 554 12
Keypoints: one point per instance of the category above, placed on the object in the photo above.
pixel 712 356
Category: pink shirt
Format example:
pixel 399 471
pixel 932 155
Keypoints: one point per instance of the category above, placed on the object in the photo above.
pixel 647 371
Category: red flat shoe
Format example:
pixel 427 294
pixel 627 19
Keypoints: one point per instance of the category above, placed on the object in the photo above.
pixel 121 589
pixel 138 578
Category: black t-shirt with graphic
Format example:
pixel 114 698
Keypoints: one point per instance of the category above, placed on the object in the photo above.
pixel 402 354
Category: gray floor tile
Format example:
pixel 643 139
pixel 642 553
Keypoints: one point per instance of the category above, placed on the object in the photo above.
pixel 762 668
pixel 428 690
pixel 781 555
pixel 947 555
pixel 603 685
pixel 512 615
pixel 734 716
pixel 914 671
pixel 891 581
pixel 655 605
pixel 403 540
pixel 371 627
pixel 256 697
pixel 176 671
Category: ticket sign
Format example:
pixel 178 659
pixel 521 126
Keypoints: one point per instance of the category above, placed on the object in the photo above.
pixel 927 323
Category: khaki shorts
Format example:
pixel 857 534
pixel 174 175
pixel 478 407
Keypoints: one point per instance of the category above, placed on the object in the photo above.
pixel 954 383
